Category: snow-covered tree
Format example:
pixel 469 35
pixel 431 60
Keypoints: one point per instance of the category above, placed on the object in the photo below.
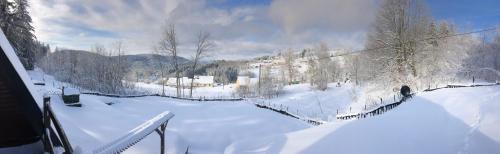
pixel 393 41
pixel 15 22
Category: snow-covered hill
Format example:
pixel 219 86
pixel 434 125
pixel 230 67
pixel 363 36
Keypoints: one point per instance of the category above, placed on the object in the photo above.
pixel 463 120
pixel 204 127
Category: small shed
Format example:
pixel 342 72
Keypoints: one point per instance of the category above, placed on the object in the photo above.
pixel 71 96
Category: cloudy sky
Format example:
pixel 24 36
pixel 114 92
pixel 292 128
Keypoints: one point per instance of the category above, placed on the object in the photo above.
pixel 240 28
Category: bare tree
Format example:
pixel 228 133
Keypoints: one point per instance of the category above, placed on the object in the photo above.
pixel 162 69
pixel 289 60
pixel 204 44
pixel 168 46
pixel 318 67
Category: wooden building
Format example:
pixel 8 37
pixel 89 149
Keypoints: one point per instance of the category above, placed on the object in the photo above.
pixel 21 120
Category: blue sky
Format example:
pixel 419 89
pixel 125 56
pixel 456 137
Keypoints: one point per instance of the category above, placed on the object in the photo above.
pixel 240 28
pixel 467 13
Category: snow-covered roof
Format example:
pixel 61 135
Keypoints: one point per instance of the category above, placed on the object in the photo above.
pixel 71 91
pixel 187 81
pixel 14 60
pixel 246 80
pixel 204 79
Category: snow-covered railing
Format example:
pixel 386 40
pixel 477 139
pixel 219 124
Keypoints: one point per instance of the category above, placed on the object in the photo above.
pixel 157 124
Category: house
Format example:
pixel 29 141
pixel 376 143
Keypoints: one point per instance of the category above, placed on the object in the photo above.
pixel 246 81
pixel 21 119
pixel 199 81
pixel 242 81
pixel 204 81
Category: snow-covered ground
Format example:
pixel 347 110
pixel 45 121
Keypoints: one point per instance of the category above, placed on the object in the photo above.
pixel 226 91
pixel 304 101
pixel 204 127
pixel 462 120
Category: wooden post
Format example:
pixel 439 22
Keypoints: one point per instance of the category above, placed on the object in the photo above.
pixel 161 132
pixel 46 125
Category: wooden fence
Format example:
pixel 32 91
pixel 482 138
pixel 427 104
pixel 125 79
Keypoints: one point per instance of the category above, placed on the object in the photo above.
pixel 284 111
pixel 158 95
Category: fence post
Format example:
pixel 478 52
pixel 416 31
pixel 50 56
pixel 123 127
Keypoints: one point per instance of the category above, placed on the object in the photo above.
pixel 46 123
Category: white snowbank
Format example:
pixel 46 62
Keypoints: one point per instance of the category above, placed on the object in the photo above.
pixel 463 120
pixel 207 92
pixel 70 91
pixel 306 102
pixel 207 127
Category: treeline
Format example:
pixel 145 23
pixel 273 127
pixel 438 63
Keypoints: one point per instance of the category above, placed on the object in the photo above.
pixel 483 62
pixel 15 22
pixel 100 70
pixel 406 46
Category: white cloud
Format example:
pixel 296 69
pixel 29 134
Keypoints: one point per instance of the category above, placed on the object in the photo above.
pixel 331 15
pixel 241 31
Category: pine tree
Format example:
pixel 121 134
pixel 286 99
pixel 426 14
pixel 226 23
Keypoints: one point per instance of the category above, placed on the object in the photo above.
pixel 15 21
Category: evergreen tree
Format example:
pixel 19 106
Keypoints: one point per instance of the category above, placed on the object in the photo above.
pixel 15 22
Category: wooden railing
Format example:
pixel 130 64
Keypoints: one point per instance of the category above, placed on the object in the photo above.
pixel 380 110
pixel 53 138
pixel 158 124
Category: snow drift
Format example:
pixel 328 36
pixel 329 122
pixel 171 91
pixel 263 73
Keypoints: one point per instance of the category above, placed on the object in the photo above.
pixel 463 120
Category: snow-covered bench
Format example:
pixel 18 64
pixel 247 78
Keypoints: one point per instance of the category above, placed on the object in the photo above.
pixel 158 124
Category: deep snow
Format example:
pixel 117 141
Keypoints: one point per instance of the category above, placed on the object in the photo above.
pixel 462 120
pixel 206 127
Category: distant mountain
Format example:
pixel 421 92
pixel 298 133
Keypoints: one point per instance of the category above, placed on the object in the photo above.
pixel 146 67
pixel 153 60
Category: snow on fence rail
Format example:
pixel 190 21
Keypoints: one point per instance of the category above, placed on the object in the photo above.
pixel 135 135
pixel 158 95
pixel 284 111
pixel 462 86
pixel 380 110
